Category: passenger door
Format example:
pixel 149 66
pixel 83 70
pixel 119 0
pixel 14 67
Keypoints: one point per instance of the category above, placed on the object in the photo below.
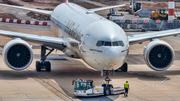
pixel 84 43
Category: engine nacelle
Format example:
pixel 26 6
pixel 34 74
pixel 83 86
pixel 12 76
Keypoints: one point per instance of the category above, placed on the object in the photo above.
pixel 158 55
pixel 17 54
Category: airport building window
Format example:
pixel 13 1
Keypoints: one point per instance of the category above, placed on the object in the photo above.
pixel 106 43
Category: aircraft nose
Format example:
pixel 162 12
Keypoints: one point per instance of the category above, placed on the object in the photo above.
pixel 112 56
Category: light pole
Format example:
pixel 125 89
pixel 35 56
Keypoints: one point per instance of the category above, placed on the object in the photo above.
pixel 132 7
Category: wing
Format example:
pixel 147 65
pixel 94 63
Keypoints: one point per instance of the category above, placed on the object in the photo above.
pixel 29 9
pixel 57 43
pixel 104 8
pixel 151 35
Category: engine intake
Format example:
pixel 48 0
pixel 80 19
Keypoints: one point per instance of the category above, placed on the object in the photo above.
pixel 17 54
pixel 159 55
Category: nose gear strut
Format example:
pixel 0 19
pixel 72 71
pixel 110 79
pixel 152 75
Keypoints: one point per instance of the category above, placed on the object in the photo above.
pixel 107 86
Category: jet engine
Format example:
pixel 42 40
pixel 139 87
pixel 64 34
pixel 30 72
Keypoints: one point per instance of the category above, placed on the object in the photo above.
pixel 158 55
pixel 17 54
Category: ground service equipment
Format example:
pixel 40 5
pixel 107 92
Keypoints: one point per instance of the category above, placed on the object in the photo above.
pixel 112 15
pixel 86 88
pixel 161 15
pixel 135 6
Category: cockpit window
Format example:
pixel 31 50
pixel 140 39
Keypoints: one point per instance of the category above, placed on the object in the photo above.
pixel 115 43
pixel 100 43
pixel 107 43
pixel 121 43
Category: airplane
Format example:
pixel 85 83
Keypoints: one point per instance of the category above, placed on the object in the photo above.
pixel 83 34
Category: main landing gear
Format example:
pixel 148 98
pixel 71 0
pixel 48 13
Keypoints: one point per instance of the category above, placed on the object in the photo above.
pixel 43 64
pixel 107 86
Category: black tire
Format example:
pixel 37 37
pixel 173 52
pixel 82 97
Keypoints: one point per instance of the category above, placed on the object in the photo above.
pixel 104 85
pixel 38 66
pixel 107 91
pixel 48 66
pixel 124 67
pixel 143 30
pixel 110 86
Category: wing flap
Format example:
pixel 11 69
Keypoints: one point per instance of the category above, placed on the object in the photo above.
pixel 151 35
pixel 29 9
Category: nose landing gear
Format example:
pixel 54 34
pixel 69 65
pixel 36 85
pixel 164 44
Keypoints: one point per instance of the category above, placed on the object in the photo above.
pixel 107 86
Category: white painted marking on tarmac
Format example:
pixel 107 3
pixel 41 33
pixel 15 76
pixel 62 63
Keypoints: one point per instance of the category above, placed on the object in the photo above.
pixel 153 85
pixel 142 88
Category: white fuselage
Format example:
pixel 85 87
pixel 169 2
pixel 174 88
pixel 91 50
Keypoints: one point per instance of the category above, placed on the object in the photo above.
pixel 90 37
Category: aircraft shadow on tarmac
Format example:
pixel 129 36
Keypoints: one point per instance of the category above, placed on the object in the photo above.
pixel 63 72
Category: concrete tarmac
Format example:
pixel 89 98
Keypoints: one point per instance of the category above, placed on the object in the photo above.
pixel 145 83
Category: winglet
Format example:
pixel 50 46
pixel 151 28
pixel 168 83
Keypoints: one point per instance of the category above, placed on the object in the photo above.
pixel 65 1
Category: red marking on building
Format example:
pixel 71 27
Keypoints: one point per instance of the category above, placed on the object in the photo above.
pixel 122 20
pixel 158 21
pixel 134 20
pixel 146 21
pixel 170 21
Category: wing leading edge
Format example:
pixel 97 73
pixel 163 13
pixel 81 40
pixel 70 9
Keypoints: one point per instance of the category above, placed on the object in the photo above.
pixel 57 43
pixel 29 9
pixel 104 8
pixel 133 39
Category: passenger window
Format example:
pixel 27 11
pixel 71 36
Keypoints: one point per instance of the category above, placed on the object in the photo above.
pixel 121 43
pixel 115 43
pixel 107 43
pixel 100 43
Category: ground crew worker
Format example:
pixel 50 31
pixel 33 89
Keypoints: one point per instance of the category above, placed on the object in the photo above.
pixel 126 87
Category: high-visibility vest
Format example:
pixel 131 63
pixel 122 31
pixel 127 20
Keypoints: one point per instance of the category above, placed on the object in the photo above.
pixel 126 85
